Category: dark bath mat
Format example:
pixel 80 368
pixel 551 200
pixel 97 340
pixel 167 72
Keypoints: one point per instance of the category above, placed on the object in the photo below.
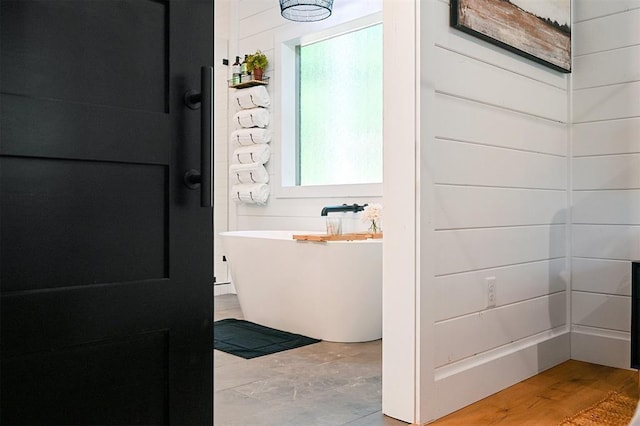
pixel 249 340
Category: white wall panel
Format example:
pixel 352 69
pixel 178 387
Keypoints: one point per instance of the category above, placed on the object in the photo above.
pixel 220 170
pixel 468 250
pixel 607 137
pixel 465 293
pixel 607 172
pixel 309 209
pixel 605 68
pixel 460 75
pixel 404 375
pixel 261 22
pixel 607 207
pixel 589 9
pixel 497 126
pixel 607 102
pixel 260 41
pixel 466 336
pixel 258 222
pixel 259 26
pixel 257 19
pixel 292 207
pixel 617 242
pixel 499 169
pixel 471 164
pixel 247 8
pixel 220 132
pixel 474 207
pixel 606 177
pixel 600 275
pixel 609 32
pixel 601 310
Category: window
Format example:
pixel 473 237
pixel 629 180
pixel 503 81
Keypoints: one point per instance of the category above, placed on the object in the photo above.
pixel 340 113
pixel 332 111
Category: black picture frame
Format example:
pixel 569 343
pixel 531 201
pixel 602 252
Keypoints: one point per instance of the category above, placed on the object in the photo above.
pixel 504 24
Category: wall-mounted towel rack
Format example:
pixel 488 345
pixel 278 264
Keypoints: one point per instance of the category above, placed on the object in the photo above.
pixel 250 141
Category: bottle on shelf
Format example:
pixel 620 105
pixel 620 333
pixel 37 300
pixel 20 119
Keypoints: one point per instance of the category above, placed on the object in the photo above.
pixel 245 75
pixel 235 71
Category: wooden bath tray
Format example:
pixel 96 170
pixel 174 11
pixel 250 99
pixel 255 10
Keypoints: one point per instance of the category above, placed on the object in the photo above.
pixel 321 238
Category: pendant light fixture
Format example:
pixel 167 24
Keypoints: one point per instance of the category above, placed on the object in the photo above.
pixel 305 10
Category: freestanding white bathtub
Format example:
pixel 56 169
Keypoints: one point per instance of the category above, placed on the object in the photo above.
pixel 330 291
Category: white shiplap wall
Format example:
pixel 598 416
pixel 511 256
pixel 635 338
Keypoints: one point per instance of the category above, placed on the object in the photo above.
pixel 220 129
pixel 258 26
pixel 496 153
pixel 606 177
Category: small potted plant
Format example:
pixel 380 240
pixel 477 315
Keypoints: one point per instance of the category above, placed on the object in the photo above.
pixel 256 64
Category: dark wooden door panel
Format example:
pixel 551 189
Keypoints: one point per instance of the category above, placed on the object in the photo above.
pixel 72 223
pixel 95 52
pixel 46 321
pixel 119 382
pixel 48 128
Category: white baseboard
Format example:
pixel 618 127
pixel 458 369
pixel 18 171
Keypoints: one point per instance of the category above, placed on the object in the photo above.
pixel 226 288
pixel 464 387
pixel 599 346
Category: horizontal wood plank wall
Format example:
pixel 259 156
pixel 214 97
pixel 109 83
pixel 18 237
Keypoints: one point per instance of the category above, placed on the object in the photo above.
pixel 221 143
pixel 499 163
pixel 258 26
pixel 606 178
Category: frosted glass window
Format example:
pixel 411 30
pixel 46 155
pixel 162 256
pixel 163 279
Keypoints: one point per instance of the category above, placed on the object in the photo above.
pixel 340 109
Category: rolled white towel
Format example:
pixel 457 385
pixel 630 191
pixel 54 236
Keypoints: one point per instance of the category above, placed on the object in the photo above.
pixel 256 96
pixel 248 173
pixel 255 193
pixel 251 154
pixel 251 136
pixel 254 117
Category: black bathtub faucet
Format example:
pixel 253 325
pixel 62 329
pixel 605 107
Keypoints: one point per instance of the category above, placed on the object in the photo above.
pixel 343 208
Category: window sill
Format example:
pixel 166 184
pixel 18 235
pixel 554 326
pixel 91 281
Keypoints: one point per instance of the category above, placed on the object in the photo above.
pixel 329 191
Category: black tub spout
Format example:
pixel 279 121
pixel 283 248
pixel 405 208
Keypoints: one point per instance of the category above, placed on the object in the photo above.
pixel 343 208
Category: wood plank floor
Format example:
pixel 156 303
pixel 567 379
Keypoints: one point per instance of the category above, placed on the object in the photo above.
pixel 549 397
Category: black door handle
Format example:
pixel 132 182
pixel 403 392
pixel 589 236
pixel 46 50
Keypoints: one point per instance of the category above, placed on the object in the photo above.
pixel 204 101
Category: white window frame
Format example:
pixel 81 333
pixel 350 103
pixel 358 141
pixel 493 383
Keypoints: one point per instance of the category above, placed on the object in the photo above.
pixel 286 80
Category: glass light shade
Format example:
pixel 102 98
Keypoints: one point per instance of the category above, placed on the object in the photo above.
pixel 305 10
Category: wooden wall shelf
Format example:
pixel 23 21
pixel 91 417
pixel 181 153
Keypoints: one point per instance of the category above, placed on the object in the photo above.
pixel 250 83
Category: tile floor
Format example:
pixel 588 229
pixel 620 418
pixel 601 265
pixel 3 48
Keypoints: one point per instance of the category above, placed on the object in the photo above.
pixel 324 384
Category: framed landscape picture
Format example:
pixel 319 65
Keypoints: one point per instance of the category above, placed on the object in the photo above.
pixel 536 29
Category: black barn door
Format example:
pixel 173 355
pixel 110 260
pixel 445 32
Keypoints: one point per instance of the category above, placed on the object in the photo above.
pixel 106 255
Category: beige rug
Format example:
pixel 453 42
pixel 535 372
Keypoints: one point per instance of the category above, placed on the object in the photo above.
pixel 615 409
